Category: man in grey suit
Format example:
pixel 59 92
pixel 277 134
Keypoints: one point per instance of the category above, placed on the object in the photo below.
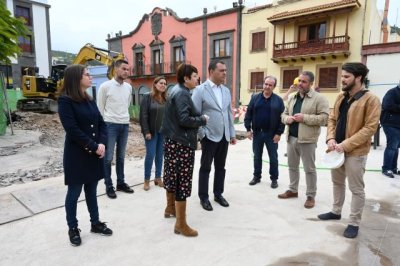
pixel 213 98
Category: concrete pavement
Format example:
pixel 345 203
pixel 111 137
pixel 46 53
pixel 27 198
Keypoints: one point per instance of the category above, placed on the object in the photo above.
pixel 257 229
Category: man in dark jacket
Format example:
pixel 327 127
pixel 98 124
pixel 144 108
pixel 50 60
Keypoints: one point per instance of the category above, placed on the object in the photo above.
pixel 390 120
pixel 264 126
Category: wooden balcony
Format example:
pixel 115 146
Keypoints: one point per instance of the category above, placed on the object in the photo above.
pixel 331 46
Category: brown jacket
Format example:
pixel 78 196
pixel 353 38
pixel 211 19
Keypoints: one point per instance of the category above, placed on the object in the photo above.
pixel 362 122
pixel 315 108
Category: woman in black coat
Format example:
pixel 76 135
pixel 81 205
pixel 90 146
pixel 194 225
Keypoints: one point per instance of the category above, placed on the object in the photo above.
pixel 180 125
pixel 83 150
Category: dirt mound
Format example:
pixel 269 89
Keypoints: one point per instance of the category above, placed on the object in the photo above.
pixel 52 135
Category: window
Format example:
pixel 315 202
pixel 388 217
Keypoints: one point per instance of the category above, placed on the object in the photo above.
pixel 257 81
pixel 288 76
pixel 139 64
pixel 157 62
pixel 258 41
pixel 178 57
pixel 7 72
pixel 25 13
pixel 25 43
pixel 221 48
pixel 313 32
pixel 328 77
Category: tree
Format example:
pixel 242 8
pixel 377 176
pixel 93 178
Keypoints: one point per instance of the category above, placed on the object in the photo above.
pixel 10 29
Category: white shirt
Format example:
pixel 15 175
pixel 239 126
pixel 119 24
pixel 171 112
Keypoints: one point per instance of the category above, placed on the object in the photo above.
pixel 217 92
pixel 113 100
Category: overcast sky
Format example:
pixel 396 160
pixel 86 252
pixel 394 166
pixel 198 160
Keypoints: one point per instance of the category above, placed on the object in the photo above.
pixel 73 23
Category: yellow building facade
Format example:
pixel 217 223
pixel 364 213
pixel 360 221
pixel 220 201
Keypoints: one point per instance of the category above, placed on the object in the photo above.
pixel 290 36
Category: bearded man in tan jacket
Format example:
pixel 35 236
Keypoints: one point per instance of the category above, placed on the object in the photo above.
pixel 305 113
pixel 351 124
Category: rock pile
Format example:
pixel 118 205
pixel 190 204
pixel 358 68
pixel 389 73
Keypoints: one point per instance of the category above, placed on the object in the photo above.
pixel 52 135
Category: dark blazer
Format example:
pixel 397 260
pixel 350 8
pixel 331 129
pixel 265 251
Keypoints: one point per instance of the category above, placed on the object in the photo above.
pixel 277 108
pixel 85 129
pixel 148 118
pixel 390 115
pixel 181 119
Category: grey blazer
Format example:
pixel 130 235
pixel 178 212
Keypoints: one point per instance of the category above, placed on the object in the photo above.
pixel 220 121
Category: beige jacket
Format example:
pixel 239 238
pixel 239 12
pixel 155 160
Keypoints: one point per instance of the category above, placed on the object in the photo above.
pixel 315 108
pixel 362 122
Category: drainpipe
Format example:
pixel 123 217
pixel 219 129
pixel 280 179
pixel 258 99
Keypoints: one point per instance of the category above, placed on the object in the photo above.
pixel 239 52
pixel 205 48
pixel 363 25
pixel 385 23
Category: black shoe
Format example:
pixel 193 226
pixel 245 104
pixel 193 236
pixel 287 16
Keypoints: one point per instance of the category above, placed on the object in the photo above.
pixel 206 204
pixel 111 192
pixel 388 173
pixel 254 181
pixel 351 231
pixel 74 236
pixel 101 228
pixel 396 171
pixel 221 201
pixel 274 184
pixel 125 188
pixel 329 216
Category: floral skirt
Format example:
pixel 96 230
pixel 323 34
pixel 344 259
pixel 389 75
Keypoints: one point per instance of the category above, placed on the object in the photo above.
pixel 178 169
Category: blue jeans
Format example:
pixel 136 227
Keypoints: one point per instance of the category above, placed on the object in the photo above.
pixel 259 139
pixel 391 153
pixel 117 134
pixel 71 202
pixel 154 152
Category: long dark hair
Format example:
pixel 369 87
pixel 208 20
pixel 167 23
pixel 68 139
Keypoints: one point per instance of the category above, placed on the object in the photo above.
pixel 160 97
pixel 72 83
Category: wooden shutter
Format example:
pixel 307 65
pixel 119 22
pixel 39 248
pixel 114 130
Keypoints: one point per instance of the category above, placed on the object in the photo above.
pixel 257 79
pixel 258 41
pixel 328 77
pixel 288 77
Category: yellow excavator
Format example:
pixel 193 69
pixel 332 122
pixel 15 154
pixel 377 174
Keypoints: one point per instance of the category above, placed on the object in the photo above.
pixel 41 94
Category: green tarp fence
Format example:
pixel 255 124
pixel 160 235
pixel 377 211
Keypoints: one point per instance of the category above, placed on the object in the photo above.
pixel 3 118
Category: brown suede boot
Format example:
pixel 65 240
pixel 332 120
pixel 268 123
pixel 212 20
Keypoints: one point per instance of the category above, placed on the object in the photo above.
pixel 170 209
pixel 158 182
pixel 181 226
pixel 146 185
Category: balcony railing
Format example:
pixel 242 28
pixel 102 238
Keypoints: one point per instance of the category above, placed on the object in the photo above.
pixel 327 45
pixel 157 69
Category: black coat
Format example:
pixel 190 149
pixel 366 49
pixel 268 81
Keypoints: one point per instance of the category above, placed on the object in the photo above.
pixel 181 119
pixel 85 129
pixel 390 115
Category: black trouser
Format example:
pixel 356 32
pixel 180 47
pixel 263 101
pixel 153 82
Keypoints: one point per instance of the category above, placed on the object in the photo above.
pixel 216 151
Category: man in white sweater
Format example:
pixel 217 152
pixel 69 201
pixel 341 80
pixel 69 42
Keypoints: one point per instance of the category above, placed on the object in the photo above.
pixel 113 99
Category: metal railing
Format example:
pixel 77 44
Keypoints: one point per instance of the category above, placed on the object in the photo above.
pixel 325 45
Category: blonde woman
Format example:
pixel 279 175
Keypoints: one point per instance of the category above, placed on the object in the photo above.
pixel 151 116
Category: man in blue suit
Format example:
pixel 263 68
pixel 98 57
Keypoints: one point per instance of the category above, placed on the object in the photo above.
pixel 213 98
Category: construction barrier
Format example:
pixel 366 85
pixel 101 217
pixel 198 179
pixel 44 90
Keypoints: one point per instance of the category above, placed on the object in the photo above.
pixel 13 96
pixel 3 118
pixel 134 112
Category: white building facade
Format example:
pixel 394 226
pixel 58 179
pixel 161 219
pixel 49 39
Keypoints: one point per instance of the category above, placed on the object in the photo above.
pixel 36 47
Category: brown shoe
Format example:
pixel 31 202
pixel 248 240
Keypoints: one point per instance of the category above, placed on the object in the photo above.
pixel 158 182
pixel 310 202
pixel 288 194
pixel 146 185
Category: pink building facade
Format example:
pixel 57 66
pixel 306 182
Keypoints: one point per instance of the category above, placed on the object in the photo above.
pixel 162 41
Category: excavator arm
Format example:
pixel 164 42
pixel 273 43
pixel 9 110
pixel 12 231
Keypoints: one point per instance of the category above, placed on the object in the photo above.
pixel 90 53
pixel 41 93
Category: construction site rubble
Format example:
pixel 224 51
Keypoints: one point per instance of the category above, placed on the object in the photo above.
pixel 52 137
